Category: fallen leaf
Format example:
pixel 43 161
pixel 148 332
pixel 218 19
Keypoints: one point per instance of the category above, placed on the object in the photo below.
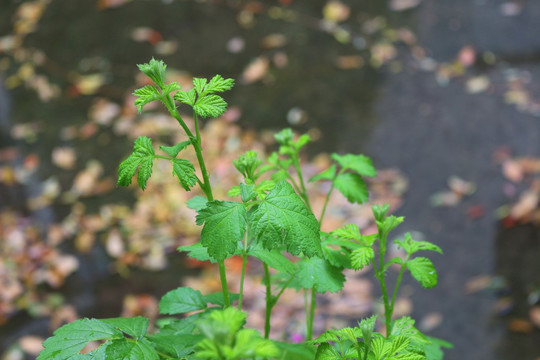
pixel 401 5
pixel 512 170
pixel 336 11
pixel 64 157
pixel 467 56
pixel 526 204
pixel 477 84
pixel 522 326
pixel 256 70
pixel 430 321
pixel 31 344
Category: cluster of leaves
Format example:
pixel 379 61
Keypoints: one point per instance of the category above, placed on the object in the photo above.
pixel 272 216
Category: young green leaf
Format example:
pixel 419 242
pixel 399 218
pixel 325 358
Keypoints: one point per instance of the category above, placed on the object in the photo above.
pixel 247 165
pixel 291 351
pixel 130 350
pixel 339 257
pixel 224 225
pixel 411 246
pixel 185 172
pixel 367 326
pixel 379 211
pixel 181 300
pixel 359 163
pixel 210 106
pixel 423 271
pixel 173 151
pixel 327 174
pixel 197 203
pixel 349 231
pixel 197 251
pixel 399 344
pixel 247 193
pixel 218 84
pixel 134 326
pixel 380 347
pixel 284 137
pixel 273 258
pixel 155 70
pixel 362 257
pixel 199 84
pixel 69 340
pixel 316 273
pixel 186 97
pixel 142 158
pixel 145 95
pixel 389 223
pixel 353 187
pixel 327 352
pixel 282 218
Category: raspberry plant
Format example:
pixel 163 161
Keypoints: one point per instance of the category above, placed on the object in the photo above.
pixel 272 215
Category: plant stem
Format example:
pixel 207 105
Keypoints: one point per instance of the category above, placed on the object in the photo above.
pixel 313 305
pixel 298 169
pixel 398 282
pixel 243 275
pixel 269 301
pixel 380 276
pixel 224 287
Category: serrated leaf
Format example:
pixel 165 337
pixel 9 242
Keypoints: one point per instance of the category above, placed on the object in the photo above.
pixel 185 172
pixel 224 225
pixel 367 326
pixel 349 334
pixel 301 351
pixel 218 299
pixel 155 70
pixel 186 97
pixel 235 191
pixel 338 257
pixel 423 271
pixel 197 251
pixel 302 141
pixel 358 163
pixel 199 84
pixel 285 136
pixel 98 354
pixel 71 338
pixel 380 347
pixel 282 218
pixel 169 88
pixel 142 158
pixel 134 326
pixel 411 246
pixel 181 300
pixel 274 259
pixel 327 352
pixel 327 174
pixel 197 202
pixel 123 349
pixel 174 345
pixel 392 261
pixel 352 187
pixel 409 356
pixel 379 211
pixel 247 193
pixel 145 95
pixel 250 344
pixel 399 344
pixel 362 257
pixel 389 223
pixel 210 106
pixel 349 231
pixel 218 84
pixel 316 273
pixel 173 151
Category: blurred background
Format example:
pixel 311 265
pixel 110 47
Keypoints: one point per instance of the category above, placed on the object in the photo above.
pixel 443 95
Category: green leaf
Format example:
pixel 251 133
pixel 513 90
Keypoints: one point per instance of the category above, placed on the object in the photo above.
pixel 173 151
pixel 274 259
pixel 367 326
pixel 247 193
pixel 218 299
pixel 145 95
pixel 300 351
pixel 348 231
pixel 284 137
pixel 352 187
pixel 399 344
pixel 142 158
pixel 197 203
pixel 134 326
pixel 218 84
pixel 235 191
pixel 174 345
pixel 224 225
pixel 411 246
pixel 197 251
pixel 122 349
pixel 379 211
pixel 327 352
pixel 250 344
pixel 392 261
pixel 389 223
pixel 433 349
pixel 210 106
pixel 358 163
pixel 339 257
pixel 181 300
pixel 327 174
pixel 69 340
pixel 316 273
pixel 423 271
pixel 183 326
pixel 186 97
pixel 155 70
pixel 380 347
pixel 302 141
pixel 282 218
pixel 247 165
pixel 185 172
pixel 199 84
pixel 362 257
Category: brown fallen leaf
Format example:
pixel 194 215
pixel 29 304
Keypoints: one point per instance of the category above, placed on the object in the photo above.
pixel 522 326
pixel 64 157
pixel 256 70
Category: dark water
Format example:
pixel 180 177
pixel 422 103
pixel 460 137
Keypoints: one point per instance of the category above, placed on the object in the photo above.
pixel 404 120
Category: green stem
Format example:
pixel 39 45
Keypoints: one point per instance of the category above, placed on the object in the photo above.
pixel 380 277
pixel 269 302
pixel 326 202
pixel 197 133
pixel 224 287
pixel 303 193
pixel 313 305
pixel 243 275
pixel 398 282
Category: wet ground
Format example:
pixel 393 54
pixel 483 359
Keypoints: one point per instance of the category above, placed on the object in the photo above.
pixel 406 120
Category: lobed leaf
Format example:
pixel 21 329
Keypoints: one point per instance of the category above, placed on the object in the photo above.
pixel 282 218
pixel 218 84
pixel 155 70
pixel 316 273
pixel 274 259
pixel 199 85
pixel 123 349
pixel 70 339
pixel 145 95
pixel 353 187
pixel 411 246
pixel 218 299
pixel 173 151
pixel 174 345
pixel 141 158
pixel 327 174
pixel 133 326
pixel 361 257
pixel 197 202
pixel 379 211
pixel 359 163
pixel 186 97
pixel 224 225
pixel 210 106
pixel 185 172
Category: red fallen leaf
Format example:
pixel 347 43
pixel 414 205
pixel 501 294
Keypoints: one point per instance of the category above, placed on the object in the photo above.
pixel 31 162
pixel 476 211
